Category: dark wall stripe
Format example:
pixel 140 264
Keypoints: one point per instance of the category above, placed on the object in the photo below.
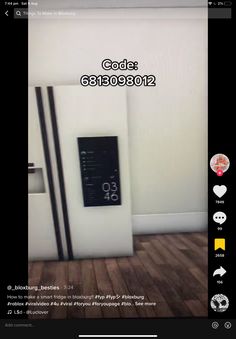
pixel 60 171
pixel 49 171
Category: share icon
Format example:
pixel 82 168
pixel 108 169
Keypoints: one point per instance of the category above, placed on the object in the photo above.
pixel 220 271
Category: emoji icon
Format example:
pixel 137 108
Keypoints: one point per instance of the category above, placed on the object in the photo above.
pixel 220 271
pixel 219 303
pixel 219 164
pixel 219 244
pixel 219 190
pixel 228 325
pixel 219 217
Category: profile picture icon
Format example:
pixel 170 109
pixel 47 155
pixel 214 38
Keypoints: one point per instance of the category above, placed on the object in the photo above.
pixel 219 303
pixel 219 164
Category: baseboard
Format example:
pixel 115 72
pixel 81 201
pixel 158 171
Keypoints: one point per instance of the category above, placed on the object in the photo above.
pixel 170 223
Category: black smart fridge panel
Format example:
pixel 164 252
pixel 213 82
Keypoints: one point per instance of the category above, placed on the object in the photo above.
pixel 99 165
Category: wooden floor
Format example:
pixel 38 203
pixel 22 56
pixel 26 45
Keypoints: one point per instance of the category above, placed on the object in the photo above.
pixel 169 271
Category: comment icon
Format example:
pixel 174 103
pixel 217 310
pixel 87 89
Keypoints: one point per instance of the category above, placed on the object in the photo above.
pixel 219 217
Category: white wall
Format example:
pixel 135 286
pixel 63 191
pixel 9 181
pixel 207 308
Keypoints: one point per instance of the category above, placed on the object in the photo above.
pixel 168 123
pixel 102 231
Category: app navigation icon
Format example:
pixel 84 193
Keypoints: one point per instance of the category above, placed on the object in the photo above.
pixel 219 244
pixel 219 271
pixel 219 190
pixel 219 217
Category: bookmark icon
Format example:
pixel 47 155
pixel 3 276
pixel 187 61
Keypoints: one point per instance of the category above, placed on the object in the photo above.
pixel 219 244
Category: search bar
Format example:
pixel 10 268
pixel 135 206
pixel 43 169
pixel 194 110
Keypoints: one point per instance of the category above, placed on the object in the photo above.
pixel 20 13
pixel 25 13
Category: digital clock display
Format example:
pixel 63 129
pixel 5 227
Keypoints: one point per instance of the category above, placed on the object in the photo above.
pixel 99 165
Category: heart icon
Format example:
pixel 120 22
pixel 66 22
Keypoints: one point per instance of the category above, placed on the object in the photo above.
pixel 219 190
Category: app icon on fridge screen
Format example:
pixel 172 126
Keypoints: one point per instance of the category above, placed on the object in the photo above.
pixel 219 190
pixel 219 164
pixel 219 303
pixel 219 271
pixel 219 244
pixel 219 217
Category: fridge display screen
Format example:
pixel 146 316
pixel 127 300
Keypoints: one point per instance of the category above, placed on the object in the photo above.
pixel 99 166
